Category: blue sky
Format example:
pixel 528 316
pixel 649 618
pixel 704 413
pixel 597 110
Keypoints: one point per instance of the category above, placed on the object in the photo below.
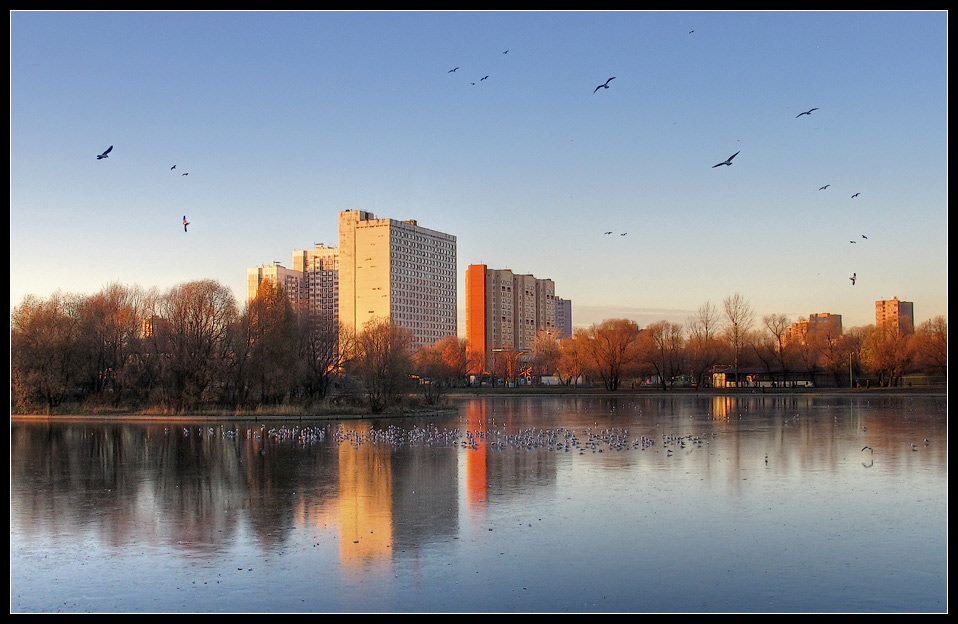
pixel 285 119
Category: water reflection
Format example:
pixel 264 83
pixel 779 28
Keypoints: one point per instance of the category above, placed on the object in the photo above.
pixel 382 493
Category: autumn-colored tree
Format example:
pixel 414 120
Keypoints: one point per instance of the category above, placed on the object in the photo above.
pixel 662 345
pixel 929 346
pixel 613 351
pixel 45 357
pixel 572 356
pixel 885 353
pixel 441 366
pixel 545 353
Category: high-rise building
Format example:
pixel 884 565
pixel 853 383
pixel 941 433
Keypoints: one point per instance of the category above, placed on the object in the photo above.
pixel 290 280
pixel 896 315
pixel 505 311
pixel 564 317
pixel 397 270
pixel 822 323
pixel 320 269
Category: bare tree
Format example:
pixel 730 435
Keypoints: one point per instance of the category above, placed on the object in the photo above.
pixel 382 363
pixel 323 348
pixel 739 318
pixel 197 315
pixel 703 347
pixel 663 348
pixel 778 326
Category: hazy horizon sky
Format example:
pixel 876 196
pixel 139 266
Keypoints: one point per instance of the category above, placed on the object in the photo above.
pixel 285 119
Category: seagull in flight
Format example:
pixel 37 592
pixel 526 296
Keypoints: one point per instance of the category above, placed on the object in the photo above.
pixel 808 112
pixel 728 161
pixel 608 232
pixel 869 448
pixel 855 195
pixel 853 278
pixel 604 86
pixel 452 70
pixel 185 223
pixel 865 237
pixel 173 167
pixel 824 187
pixel 506 52
pixel 483 78
pixel 187 173
pixel 104 154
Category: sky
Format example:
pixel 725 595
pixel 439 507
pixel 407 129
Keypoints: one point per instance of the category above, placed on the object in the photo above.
pixel 285 119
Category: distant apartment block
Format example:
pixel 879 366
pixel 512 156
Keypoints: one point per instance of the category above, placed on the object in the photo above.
pixel 821 324
pixel 290 280
pixel 564 317
pixel 895 314
pixel 383 268
pixel 397 270
pixel 505 311
pixel 320 270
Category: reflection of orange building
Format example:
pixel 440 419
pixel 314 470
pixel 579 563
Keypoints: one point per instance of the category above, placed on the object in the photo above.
pixel 477 481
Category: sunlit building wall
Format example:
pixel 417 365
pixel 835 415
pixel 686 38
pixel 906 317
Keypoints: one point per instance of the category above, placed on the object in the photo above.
pixel 397 270
pixel 505 311
pixel 291 281
pixel 320 269
pixel 563 317
pixel 896 315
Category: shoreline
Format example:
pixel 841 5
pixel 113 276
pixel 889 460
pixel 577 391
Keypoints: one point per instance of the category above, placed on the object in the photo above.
pixel 470 393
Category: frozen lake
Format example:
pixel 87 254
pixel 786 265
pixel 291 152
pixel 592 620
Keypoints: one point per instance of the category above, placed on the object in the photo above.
pixel 573 503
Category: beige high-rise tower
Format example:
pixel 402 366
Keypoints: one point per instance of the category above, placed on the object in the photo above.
pixel 396 270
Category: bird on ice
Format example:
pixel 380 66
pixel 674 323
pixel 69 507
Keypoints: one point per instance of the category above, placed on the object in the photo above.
pixel 728 161
pixel 824 187
pixel 808 112
pixel 104 154
pixel 605 85
pixel 853 278
pixel 185 223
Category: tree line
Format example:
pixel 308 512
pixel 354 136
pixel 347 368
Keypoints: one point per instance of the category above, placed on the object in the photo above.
pixel 192 348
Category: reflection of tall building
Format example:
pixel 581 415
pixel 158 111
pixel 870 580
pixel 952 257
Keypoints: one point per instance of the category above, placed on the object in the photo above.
pixel 397 270
pixel 505 311
pixel 896 315
pixel 365 501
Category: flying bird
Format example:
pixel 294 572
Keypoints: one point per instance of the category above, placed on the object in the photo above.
pixel 869 448
pixel 623 233
pixel 483 78
pixel 104 154
pixel 452 70
pixel 185 223
pixel 808 112
pixel 865 237
pixel 853 278
pixel 506 52
pixel 606 85
pixel 187 173
pixel 608 232
pixel 728 161
pixel 852 242
pixel 855 195
pixel 691 31
pixel 173 167
pixel 824 187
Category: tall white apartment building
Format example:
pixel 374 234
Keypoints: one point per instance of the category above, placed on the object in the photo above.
pixel 397 270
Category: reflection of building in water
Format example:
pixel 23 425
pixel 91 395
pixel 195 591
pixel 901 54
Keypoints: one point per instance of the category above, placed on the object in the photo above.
pixel 477 479
pixel 364 505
